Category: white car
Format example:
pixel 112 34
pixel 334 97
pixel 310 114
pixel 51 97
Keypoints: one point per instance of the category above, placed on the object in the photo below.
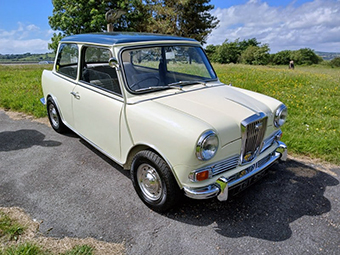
pixel 154 104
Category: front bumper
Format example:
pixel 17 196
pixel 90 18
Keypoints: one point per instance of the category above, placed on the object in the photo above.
pixel 223 185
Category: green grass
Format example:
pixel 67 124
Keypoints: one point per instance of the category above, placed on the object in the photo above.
pixel 33 249
pixel 312 95
pixel 24 249
pixel 20 88
pixel 10 230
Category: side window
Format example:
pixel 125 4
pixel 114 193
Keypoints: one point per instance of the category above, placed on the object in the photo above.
pixel 67 61
pixel 96 70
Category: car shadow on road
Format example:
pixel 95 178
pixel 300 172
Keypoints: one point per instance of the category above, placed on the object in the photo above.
pixel 265 210
pixel 24 139
pixel 115 165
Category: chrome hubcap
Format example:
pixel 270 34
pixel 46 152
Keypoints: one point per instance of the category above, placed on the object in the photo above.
pixel 149 182
pixel 54 116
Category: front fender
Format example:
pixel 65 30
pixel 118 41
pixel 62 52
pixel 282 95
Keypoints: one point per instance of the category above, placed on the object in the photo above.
pixel 172 133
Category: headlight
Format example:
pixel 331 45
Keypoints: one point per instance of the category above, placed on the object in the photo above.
pixel 207 145
pixel 280 115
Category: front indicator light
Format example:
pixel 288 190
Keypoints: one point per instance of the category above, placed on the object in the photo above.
pixel 200 176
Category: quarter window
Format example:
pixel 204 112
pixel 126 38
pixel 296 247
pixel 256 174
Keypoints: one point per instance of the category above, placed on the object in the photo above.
pixel 67 60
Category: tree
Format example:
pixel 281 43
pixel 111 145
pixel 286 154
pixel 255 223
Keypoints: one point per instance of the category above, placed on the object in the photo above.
pixel 228 52
pixel 189 18
pixel 305 56
pixel 282 57
pixel 194 19
pixel 243 45
pixel 211 51
pixel 335 62
pixel 256 55
pixel 246 51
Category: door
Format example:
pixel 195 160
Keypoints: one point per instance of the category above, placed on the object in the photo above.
pixel 98 103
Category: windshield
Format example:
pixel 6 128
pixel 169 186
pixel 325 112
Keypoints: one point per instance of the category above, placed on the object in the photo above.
pixel 157 68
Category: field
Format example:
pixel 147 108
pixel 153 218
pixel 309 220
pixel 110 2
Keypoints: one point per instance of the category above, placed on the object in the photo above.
pixel 312 95
pixel 20 88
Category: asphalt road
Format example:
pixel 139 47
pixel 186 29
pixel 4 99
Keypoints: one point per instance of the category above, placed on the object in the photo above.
pixel 78 192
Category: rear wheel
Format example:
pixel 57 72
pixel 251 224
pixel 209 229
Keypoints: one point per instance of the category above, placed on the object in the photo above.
pixel 154 182
pixel 54 116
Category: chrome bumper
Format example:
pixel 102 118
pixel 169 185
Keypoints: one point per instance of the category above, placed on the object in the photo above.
pixel 223 185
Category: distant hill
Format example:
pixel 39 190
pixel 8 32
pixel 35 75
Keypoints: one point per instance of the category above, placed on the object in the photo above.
pixel 27 57
pixel 327 55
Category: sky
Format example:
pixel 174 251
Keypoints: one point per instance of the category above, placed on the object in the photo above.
pixel 282 24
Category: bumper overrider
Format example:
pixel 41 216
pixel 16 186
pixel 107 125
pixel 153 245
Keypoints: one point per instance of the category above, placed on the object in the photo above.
pixel 223 186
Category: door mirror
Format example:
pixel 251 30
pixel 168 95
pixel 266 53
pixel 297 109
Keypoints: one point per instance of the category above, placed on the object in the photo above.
pixel 113 62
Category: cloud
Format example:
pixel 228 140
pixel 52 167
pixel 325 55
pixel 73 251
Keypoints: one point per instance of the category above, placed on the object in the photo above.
pixel 314 24
pixel 25 38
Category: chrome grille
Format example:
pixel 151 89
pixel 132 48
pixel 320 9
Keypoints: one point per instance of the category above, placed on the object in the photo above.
pixel 253 131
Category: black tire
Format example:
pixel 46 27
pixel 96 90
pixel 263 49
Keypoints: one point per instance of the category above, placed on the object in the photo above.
pixel 54 117
pixel 154 182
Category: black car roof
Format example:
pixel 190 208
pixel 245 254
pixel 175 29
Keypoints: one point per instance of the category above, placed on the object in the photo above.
pixel 114 38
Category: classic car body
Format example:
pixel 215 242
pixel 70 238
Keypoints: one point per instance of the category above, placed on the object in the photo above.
pixel 154 104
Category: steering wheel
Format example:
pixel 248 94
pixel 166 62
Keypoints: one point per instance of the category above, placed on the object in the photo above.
pixel 136 84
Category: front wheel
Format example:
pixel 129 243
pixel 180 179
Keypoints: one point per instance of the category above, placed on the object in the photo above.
pixel 154 182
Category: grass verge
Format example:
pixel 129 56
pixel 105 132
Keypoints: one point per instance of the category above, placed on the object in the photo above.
pixel 19 235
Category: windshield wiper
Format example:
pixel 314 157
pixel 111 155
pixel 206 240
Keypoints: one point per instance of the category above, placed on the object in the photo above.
pixel 175 85
pixel 170 86
pixel 183 83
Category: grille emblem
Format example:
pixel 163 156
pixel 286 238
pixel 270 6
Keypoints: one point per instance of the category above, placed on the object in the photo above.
pixel 248 157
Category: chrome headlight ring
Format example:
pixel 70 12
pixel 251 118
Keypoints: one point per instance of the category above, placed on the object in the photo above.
pixel 280 115
pixel 207 145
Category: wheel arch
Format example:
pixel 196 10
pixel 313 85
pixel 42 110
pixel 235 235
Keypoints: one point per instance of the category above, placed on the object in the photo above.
pixel 55 100
pixel 141 147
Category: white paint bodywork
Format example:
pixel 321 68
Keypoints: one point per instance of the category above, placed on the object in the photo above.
pixel 169 122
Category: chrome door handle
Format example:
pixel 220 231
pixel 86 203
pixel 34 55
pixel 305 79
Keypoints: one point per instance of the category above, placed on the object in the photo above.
pixel 76 95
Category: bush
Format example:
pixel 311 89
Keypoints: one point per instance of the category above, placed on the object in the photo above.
pixel 256 55
pixel 335 62
pixel 282 57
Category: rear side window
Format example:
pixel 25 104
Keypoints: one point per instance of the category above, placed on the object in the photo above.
pixel 67 60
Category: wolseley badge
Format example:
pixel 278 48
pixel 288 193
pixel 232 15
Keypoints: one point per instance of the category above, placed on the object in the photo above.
pixel 248 156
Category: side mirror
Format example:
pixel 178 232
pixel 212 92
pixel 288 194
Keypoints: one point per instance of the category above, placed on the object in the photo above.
pixel 113 62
